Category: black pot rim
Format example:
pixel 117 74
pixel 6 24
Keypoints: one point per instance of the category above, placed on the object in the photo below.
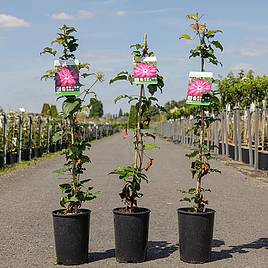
pixel 82 212
pixel 187 210
pixel 143 211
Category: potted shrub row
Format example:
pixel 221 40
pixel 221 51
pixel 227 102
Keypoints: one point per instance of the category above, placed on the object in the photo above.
pixel 131 222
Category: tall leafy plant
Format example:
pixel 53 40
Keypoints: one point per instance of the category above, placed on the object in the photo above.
pixel 200 167
pixel 134 174
pixel 74 192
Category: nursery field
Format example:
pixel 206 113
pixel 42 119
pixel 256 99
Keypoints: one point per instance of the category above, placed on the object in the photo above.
pixel 29 196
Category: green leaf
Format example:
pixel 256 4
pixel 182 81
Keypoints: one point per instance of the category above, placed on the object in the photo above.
pixel 84 181
pixel 65 187
pixel 84 75
pixel 49 50
pixel 83 66
pixel 57 136
pixel 74 199
pixel 149 135
pixel 217 44
pixel 192 154
pixel 120 76
pixel 193 16
pixel 137 46
pixel 120 98
pixel 70 106
pixel 185 36
pixel 212 33
pixel 187 199
pixel 150 146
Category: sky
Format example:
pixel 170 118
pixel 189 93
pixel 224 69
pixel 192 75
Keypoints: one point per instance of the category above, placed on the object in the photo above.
pixel 107 28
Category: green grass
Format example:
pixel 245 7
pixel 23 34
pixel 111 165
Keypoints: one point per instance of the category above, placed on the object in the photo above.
pixel 26 164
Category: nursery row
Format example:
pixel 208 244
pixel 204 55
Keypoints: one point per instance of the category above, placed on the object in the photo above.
pixel 26 136
pixel 71 223
pixel 241 135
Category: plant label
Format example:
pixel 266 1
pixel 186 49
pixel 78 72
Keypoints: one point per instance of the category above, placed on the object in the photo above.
pixel 145 71
pixel 67 77
pixel 199 88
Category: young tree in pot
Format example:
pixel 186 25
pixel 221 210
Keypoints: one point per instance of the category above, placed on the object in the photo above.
pixel 71 224
pixel 196 222
pixel 131 223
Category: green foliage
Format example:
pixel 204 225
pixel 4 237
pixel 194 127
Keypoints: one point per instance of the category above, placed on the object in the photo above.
pixel 120 113
pixel 132 117
pixel 200 166
pixel 96 108
pixel 45 109
pixel 132 176
pixel 53 111
pixel 205 49
pixel 240 90
pixel 142 109
pixel 75 192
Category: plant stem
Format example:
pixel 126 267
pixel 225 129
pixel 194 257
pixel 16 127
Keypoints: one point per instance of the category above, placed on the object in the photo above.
pixel 202 131
pixel 74 175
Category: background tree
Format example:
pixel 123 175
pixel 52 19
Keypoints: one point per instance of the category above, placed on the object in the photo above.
pixel 45 109
pixel 120 114
pixel 132 118
pixel 96 108
pixel 53 111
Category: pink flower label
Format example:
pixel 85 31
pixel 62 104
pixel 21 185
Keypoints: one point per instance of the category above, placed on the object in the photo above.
pixel 145 70
pixel 67 77
pixel 199 87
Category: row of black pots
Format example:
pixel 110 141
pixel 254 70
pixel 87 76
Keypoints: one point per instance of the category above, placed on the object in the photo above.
pixel 71 234
pixel 262 156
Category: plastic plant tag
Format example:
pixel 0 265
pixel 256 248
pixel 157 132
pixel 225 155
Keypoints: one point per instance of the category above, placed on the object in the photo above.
pixel 145 71
pixel 67 77
pixel 199 88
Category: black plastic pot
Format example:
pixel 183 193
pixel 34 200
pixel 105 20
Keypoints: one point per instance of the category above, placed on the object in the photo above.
pixel 71 237
pixel 231 151
pixel 11 158
pixel 37 152
pixel 131 235
pixel 1 159
pixel 263 161
pixel 195 235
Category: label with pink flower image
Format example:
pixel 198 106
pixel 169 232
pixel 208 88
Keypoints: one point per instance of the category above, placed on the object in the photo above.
pixel 67 78
pixel 145 71
pixel 199 88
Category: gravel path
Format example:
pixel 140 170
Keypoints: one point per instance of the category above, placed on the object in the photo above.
pixel 28 197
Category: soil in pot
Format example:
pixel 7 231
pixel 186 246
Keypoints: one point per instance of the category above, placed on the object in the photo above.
pixel 131 234
pixel 195 235
pixel 71 234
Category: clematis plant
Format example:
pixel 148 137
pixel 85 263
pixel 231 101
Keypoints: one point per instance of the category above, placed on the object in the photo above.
pixel 134 174
pixel 75 192
pixel 200 166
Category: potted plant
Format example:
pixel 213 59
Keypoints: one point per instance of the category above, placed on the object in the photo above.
pixel 196 222
pixel 71 224
pixel 131 223
pixel 12 134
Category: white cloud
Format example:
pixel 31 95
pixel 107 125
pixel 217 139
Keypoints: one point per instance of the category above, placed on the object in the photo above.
pixel 62 16
pixel 250 52
pixel 242 66
pixel 7 21
pixel 81 15
pixel 121 13
pixel 84 14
